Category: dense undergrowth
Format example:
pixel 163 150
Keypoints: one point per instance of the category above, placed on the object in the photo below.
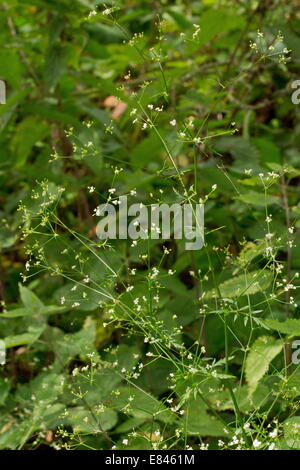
pixel 142 344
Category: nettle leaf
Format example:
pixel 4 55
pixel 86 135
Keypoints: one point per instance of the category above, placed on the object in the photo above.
pixel 261 354
pixel 80 343
pixel 129 425
pixel 146 151
pixel 216 21
pixel 269 152
pixel 108 378
pixel 141 404
pixel 46 387
pixel 245 155
pixel 291 429
pixel 250 251
pixel 255 198
pixel 86 421
pixel 290 327
pixel 40 396
pixel 222 400
pixel 198 422
pixel 43 391
pixel 245 284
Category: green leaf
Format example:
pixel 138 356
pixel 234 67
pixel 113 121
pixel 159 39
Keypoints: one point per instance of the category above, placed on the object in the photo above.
pixel 11 67
pixel 290 327
pixel 291 429
pixel 261 354
pixel 269 152
pixel 54 65
pixel 79 343
pixel 29 337
pixel 85 421
pixel 245 155
pixel 245 284
pixel 30 300
pixel 26 312
pixel 197 421
pixel 27 134
pixel 255 198
pixel 142 405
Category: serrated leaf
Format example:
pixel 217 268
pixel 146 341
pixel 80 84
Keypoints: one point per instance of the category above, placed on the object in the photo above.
pixel 83 420
pixel 198 422
pixel 261 354
pixel 245 284
pixel 290 327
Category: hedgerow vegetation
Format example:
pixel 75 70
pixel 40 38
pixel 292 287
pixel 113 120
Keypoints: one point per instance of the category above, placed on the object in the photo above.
pixel 142 344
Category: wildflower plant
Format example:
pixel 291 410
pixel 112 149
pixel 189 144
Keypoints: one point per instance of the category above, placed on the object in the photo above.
pixel 140 343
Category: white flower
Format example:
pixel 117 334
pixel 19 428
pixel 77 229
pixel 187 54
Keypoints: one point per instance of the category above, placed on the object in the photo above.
pixel 256 443
pixel 125 442
pixel 273 433
pixel 173 122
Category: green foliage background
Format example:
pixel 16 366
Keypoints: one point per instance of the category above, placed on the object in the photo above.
pixel 209 360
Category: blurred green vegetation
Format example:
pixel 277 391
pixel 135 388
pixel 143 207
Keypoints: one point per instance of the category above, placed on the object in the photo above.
pixel 165 101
